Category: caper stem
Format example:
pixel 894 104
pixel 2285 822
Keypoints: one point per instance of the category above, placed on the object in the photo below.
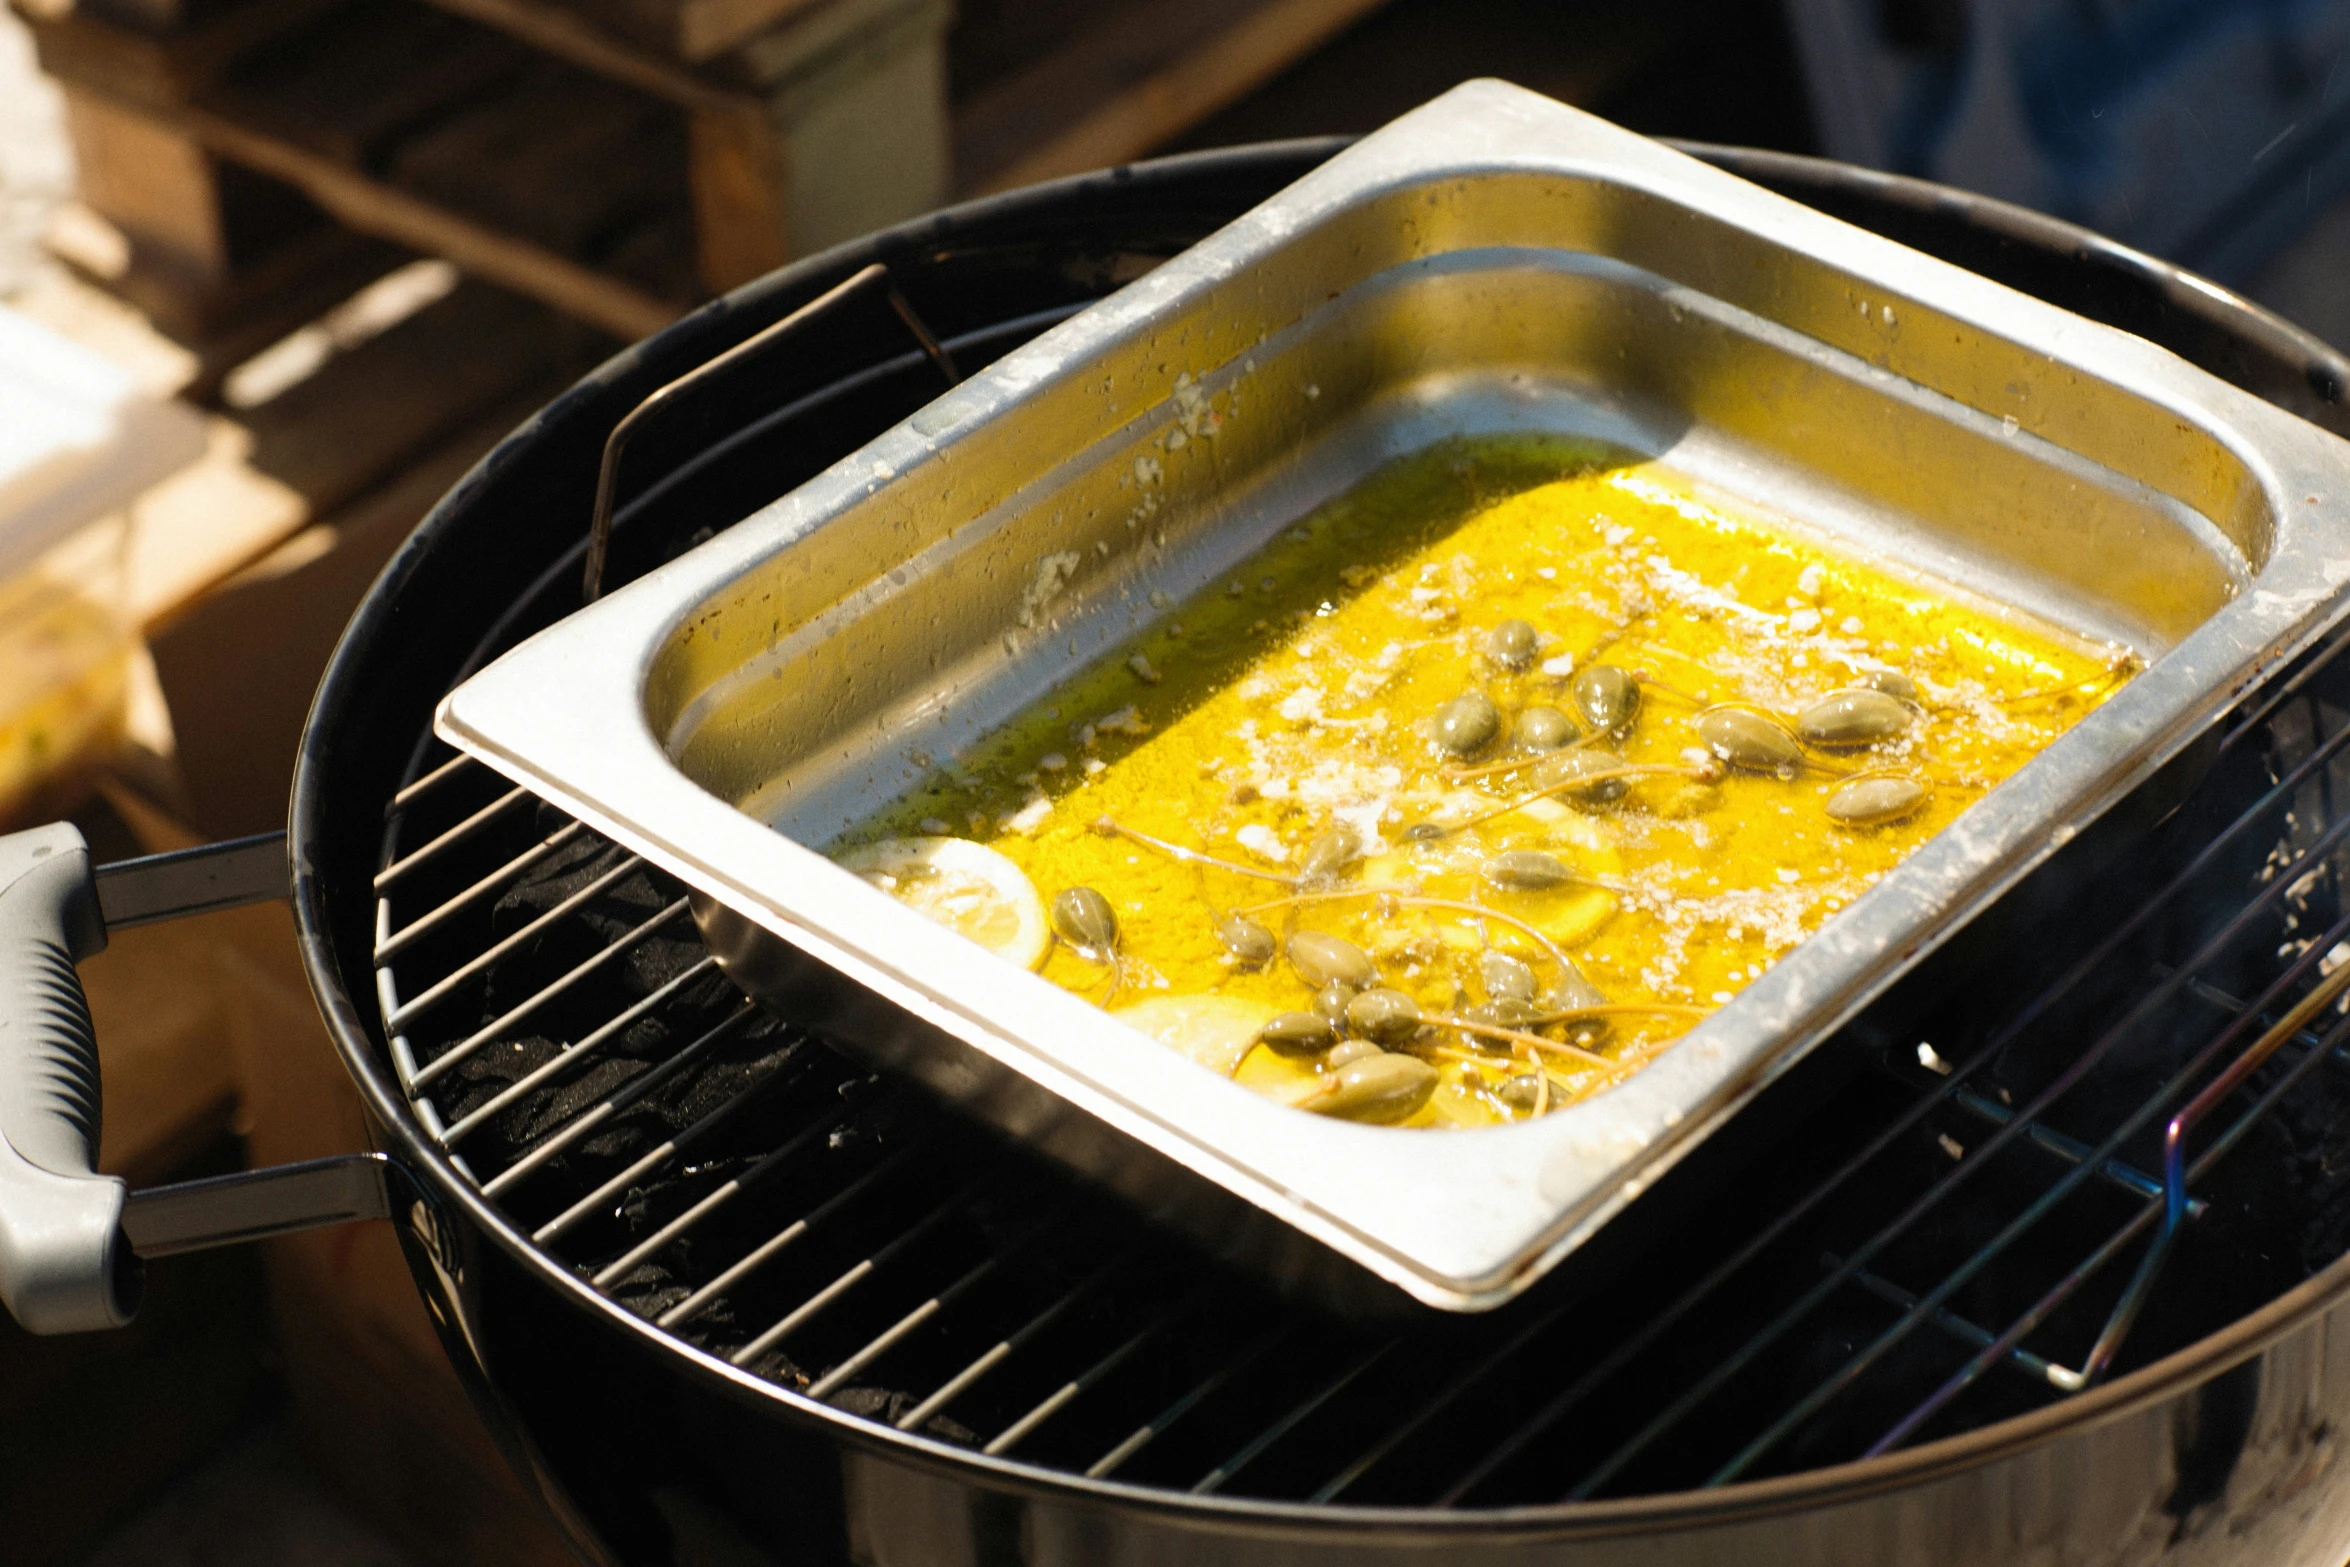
pixel 1933 780
pixel 1482 912
pixel 1650 649
pixel 1513 764
pixel 1401 895
pixel 1583 781
pixel 1176 851
pixel 2112 672
pixel 1398 889
pixel 1622 1009
pixel 1518 1036
pixel 1649 682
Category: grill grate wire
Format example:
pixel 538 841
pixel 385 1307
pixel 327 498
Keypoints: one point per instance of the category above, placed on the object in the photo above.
pixel 1937 1246
pixel 743 1187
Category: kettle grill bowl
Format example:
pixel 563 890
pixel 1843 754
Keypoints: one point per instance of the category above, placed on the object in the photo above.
pixel 644 1444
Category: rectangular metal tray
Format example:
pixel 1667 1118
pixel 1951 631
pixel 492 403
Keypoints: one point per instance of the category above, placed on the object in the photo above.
pixel 1493 261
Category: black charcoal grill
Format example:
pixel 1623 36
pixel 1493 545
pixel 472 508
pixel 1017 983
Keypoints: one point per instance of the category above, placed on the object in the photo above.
pixel 2048 1266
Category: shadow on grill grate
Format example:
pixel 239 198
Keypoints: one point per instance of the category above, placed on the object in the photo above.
pixel 1978 1226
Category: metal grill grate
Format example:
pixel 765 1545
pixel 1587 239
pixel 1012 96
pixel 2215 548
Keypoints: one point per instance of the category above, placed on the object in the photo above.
pixel 2113 1139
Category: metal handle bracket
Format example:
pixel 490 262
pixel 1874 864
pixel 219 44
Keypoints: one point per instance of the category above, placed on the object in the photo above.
pixel 192 881
pixel 608 474
pixel 254 1205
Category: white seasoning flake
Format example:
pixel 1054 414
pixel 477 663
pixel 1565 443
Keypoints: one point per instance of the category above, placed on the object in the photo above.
pixel 1811 579
pixel 1052 575
pixel 1261 841
pixel 1789 877
pixel 935 827
pixel 1804 621
pixel 1302 705
pixel 1030 816
pixel 1143 672
pixel 1092 765
pixel 1722 998
pixel 1052 761
pixel 1851 626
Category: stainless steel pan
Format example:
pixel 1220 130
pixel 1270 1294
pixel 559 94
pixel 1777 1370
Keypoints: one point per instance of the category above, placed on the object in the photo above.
pixel 1493 261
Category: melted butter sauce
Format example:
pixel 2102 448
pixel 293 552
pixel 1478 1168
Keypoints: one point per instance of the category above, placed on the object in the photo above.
pixel 1298 695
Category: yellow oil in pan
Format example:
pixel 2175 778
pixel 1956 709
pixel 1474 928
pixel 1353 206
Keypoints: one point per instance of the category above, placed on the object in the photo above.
pixel 1481 784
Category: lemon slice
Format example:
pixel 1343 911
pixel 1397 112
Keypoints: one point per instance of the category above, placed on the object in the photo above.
pixel 1215 1031
pixel 967 887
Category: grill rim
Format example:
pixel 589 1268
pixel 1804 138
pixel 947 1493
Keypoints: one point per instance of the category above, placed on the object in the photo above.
pixel 593 404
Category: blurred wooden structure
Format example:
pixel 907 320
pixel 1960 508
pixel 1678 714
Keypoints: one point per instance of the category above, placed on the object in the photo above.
pixel 593 168
pixel 618 160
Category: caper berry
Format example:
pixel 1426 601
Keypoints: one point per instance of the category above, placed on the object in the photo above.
pixel 1329 855
pixel 1868 802
pixel 1524 1091
pixel 1349 1051
pixel 1859 716
pixel 1251 945
pixel 1574 992
pixel 1298 1033
pixel 1607 697
pixel 1513 644
pixel 1083 918
pixel 1330 1003
pixel 1526 870
pixel 1747 739
pixel 1383 1016
pixel 1381 1088
pixel 1322 959
pixel 1507 978
pixel 1467 724
pixel 1544 728
pixel 1558 772
pixel 1892 682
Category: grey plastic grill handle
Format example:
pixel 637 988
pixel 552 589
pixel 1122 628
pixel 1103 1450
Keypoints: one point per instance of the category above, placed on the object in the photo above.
pixel 65 1264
